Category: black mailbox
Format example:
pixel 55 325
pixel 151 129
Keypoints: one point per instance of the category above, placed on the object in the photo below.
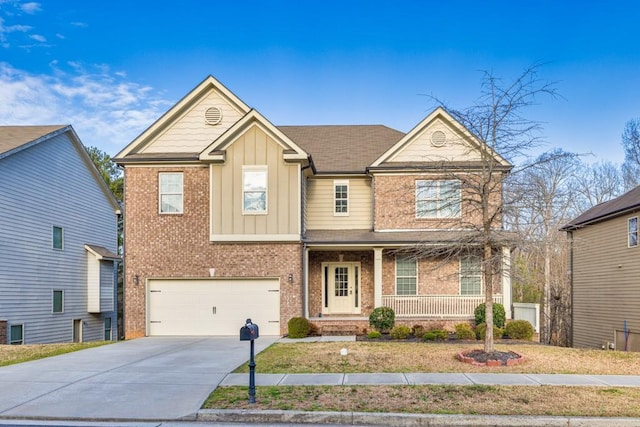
pixel 249 332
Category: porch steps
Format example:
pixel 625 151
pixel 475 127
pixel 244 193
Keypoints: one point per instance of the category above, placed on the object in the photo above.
pixel 339 330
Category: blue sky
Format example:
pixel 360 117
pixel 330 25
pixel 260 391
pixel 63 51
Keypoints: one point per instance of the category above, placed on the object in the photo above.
pixel 111 68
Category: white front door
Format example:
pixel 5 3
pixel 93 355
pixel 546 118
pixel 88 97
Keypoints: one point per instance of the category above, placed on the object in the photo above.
pixel 342 288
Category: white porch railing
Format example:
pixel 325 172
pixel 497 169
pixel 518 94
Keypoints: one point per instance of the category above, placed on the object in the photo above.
pixel 435 306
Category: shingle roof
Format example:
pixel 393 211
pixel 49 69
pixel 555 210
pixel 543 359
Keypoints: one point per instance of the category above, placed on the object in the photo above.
pixel 323 237
pixel 103 252
pixel 627 202
pixel 343 148
pixel 12 137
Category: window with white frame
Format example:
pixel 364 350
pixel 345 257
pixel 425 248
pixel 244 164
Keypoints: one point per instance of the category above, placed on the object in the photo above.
pixel 58 301
pixel 171 192
pixel 57 238
pixel 406 275
pixel 341 198
pixel 632 231
pixel 254 189
pixel 470 275
pixel 16 334
pixel 438 199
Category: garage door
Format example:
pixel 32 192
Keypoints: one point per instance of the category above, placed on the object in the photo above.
pixel 212 306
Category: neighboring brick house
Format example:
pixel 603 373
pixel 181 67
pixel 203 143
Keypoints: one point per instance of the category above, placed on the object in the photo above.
pixel 229 217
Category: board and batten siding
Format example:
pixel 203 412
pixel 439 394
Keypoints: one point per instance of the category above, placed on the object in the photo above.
pixel 45 185
pixel 606 282
pixel 320 205
pixel 282 220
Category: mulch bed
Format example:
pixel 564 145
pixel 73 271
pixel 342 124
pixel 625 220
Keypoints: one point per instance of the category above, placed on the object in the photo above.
pixel 494 358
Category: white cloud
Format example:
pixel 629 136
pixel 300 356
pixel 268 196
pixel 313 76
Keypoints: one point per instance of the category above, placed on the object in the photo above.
pixel 30 7
pixel 106 110
pixel 80 24
pixel 38 38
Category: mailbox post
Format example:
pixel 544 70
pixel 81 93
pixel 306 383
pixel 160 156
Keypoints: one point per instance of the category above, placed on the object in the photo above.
pixel 249 332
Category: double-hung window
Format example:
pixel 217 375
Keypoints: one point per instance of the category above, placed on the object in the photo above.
pixel 470 275
pixel 340 198
pixel 171 194
pixel 438 199
pixel 406 275
pixel 254 189
pixel 632 231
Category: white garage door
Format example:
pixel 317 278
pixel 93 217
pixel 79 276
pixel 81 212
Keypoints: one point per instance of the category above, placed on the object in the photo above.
pixel 212 306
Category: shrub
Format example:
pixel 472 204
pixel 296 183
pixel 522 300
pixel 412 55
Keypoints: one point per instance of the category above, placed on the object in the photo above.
pixel 400 332
pixel 418 331
pixel 464 332
pixel 482 328
pixel 519 330
pixel 499 316
pixel 382 318
pixel 374 335
pixel 435 335
pixel 298 327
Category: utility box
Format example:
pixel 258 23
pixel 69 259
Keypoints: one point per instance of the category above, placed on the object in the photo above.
pixel 249 331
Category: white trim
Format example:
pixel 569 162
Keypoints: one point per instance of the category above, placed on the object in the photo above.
pixel 442 202
pixel 481 292
pixel 629 245
pixel 255 237
pixel 160 193
pixel 357 288
pixel 259 169
pixel 377 276
pixel 341 182
pixel 405 257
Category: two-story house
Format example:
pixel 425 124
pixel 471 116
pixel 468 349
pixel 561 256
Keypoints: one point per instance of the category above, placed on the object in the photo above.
pixel 229 217
pixel 59 237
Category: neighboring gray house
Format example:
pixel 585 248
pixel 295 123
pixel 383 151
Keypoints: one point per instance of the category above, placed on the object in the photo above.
pixel 58 238
pixel 605 274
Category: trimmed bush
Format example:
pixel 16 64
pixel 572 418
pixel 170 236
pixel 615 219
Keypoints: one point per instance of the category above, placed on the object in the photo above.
pixel 464 332
pixel 499 316
pixel 482 328
pixel 374 335
pixel 418 331
pixel 519 330
pixel 435 335
pixel 382 318
pixel 298 327
pixel 400 332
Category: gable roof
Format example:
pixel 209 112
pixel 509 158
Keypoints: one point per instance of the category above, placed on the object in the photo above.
pixel 17 138
pixel 628 202
pixel 441 113
pixel 343 148
pixel 14 139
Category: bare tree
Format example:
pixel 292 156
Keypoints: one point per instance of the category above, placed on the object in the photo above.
pixel 497 122
pixel 595 184
pixel 631 145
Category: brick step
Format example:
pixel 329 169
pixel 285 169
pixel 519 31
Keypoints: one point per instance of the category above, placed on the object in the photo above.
pixel 339 330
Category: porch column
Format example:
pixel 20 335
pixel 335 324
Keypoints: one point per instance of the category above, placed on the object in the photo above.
pixel 377 277
pixel 305 283
pixel 506 281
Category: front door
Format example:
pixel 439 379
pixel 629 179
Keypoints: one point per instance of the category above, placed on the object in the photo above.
pixel 342 288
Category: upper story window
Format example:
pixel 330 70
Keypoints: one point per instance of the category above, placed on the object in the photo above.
pixel 470 275
pixel 57 238
pixel 406 276
pixel 254 189
pixel 341 198
pixel 438 199
pixel 632 231
pixel 171 193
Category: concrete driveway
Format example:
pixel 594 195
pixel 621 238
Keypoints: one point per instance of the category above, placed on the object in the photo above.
pixel 154 378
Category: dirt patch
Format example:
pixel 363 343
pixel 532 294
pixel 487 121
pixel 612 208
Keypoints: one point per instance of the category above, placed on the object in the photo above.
pixel 492 358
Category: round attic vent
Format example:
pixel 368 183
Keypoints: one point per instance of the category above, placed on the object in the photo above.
pixel 213 116
pixel 438 138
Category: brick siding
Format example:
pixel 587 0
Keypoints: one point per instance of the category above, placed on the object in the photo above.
pixel 3 332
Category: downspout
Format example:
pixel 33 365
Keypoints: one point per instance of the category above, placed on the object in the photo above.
pixel 124 264
pixel 303 256
pixel 570 233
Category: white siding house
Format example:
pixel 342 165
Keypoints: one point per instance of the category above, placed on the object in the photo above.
pixel 58 238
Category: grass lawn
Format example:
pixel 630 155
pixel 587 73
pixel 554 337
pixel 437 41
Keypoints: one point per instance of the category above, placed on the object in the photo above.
pixel 438 357
pixel 11 354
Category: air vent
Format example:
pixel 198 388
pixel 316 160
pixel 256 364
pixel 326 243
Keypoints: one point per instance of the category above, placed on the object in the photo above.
pixel 213 116
pixel 438 138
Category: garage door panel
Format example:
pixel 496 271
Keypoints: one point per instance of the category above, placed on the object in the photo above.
pixel 213 307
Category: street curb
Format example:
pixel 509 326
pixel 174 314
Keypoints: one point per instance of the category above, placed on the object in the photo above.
pixel 408 420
